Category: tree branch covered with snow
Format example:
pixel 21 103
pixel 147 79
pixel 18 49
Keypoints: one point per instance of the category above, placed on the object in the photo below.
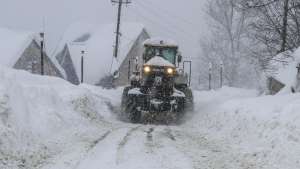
pixel 228 43
pixel 247 35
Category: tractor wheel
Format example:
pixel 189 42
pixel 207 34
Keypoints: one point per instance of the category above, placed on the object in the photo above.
pixel 129 107
pixel 189 100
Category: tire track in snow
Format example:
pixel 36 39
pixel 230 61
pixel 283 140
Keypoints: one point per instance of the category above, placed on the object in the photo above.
pixel 123 143
pixel 126 137
pixel 192 147
pixel 149 134
pixel 149 143
pixel 168 133
pixel 203 152
pixel 163 144
pixel 92 145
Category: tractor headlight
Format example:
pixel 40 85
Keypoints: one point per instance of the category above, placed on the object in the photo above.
pixel 147 69
pixel 170 71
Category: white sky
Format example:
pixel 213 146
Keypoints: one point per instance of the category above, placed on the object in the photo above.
pixel 181 20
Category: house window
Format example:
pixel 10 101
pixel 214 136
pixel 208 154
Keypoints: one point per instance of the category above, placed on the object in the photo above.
pixel 34 66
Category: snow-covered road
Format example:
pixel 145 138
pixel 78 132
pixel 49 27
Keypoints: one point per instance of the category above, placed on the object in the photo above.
pixel 141 146
pixel 47 123
pixel 158 147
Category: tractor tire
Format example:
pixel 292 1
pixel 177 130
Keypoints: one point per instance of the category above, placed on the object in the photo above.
pixel 189 100
pixel 129 107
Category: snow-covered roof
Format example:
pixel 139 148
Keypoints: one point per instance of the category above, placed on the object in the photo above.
pixel 159 61
pixel 97 42
pixel 157 41
pixel 14 42
pixel 58 66
pixel 12 45
pixel 73 33
pixel 286 72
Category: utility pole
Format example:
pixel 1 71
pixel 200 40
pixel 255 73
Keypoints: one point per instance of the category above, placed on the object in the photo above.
pixel 42 35
pixel 117 41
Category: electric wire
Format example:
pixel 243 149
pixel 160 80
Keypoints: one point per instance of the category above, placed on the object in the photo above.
pixel 168 31
pixel 170 14
pixel 167 20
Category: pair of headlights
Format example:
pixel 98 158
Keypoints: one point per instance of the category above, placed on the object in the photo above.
pixel 170 71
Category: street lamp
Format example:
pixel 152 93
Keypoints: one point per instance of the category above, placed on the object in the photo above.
pixel 210 75
pixel 83 51
pixel 82 64
pixel 42 35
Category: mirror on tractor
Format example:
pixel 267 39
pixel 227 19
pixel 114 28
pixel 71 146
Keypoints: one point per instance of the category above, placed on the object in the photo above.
pixel 179 58
pixel 116 74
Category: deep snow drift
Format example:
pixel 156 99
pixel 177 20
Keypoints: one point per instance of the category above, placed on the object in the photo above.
pixel 41 115
pixel 256 132
pixel 47 123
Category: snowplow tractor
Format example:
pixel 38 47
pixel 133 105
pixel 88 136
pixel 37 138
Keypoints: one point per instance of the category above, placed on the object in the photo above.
pixel 159 89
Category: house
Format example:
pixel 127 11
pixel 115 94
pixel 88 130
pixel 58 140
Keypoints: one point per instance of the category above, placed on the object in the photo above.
pixel 100 67
pixel 21 50
pixel 274 85
pixel 286 75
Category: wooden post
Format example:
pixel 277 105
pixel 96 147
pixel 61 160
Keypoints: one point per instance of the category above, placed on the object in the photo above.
pixel 210 76
pixel 221 74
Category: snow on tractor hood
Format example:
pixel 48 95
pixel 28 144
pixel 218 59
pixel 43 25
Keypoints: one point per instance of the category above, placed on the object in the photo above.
pixel 159 61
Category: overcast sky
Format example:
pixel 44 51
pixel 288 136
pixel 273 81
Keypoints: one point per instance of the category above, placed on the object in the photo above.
pixel 181 20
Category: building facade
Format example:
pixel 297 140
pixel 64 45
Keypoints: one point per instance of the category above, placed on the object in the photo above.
pixel 126 68
pixel 98 66
pixel 30 60
pixel 65 60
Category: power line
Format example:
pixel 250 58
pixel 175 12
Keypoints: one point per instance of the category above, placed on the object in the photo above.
pixel 136 12
pixel 170 24
pixel 170 32
pixel 171 14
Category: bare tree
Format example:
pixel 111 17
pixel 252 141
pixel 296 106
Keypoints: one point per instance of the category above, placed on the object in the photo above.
pixel 275 25
pixel 228 44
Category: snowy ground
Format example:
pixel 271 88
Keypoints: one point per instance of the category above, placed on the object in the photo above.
pixel 47 123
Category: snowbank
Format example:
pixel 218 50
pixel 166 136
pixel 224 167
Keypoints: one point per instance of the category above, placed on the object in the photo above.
pixel 39 116
pixel 286 71
pixel 262 132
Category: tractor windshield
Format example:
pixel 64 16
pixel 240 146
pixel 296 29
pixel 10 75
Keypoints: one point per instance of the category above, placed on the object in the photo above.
pixel 167 53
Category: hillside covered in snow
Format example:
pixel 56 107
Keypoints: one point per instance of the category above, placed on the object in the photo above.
pixel 47 123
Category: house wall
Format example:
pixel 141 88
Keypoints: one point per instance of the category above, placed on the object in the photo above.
pixel 64 59
pixel 274 86
pixel 30 61
pixel 135 51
